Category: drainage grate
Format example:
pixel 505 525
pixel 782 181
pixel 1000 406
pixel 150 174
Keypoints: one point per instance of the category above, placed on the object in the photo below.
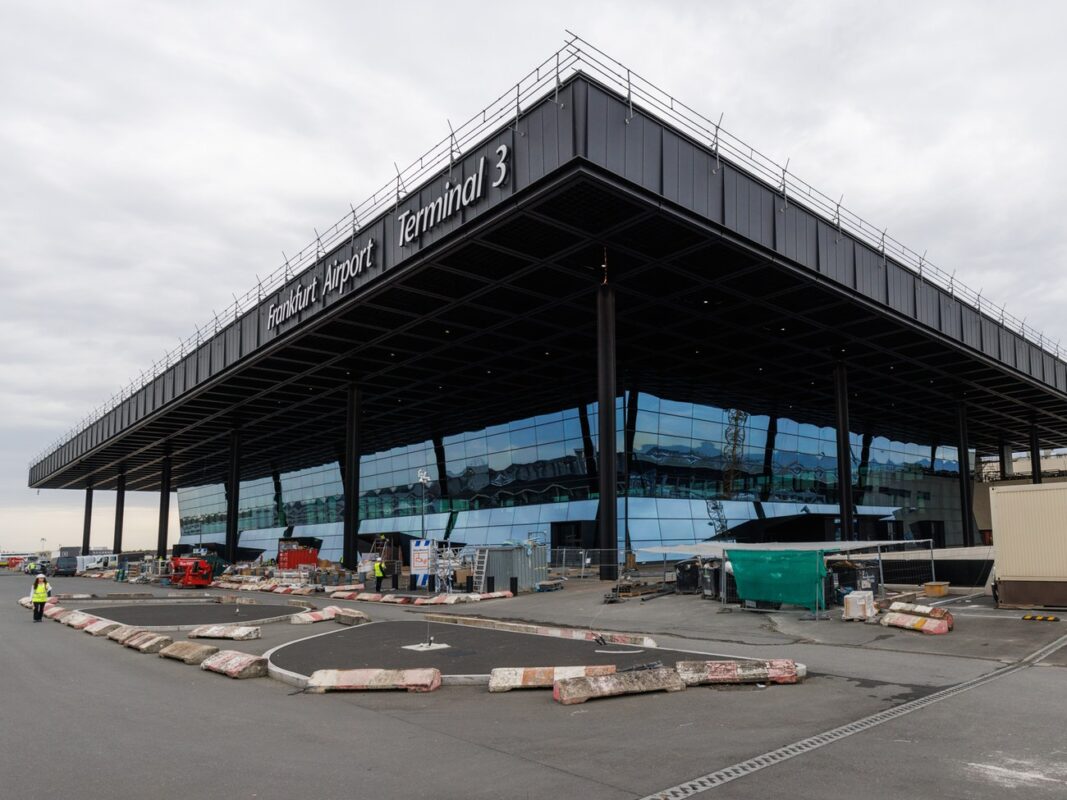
pixel 743 768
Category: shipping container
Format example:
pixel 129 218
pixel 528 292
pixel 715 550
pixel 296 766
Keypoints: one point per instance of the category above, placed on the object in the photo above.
pixel 1030 543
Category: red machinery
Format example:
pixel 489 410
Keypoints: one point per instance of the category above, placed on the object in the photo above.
pixel 190 571
pixel 295 551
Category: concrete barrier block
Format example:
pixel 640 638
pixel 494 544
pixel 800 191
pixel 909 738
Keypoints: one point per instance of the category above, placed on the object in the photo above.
pixel 235 664
pixel 63 615
pixel 360 680
pixel 569 691
pixel 71 596
pixel 396 599
pixel 54 611
pixel 79 621
pixel 304 591
pixel 495 595
pixel 912 622
pixel 345 595
pixel 933 612
pixel 775 670
pixel 282 590
pixel 369 596
pixel 504 679
pixel 124 632
pixel 188 652
pixel 26 602
pixel 152 644
pixel 349 587
pixel 235 632
pixel 135 640
pixel 350 616
pixel 101 627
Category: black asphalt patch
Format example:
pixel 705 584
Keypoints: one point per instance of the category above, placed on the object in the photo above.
pixel 471 651
pixel 162 614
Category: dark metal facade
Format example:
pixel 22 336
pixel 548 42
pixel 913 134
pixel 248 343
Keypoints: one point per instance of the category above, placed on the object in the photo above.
pixel 714 273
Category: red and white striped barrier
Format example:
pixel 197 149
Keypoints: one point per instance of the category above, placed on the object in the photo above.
pixel 235 664
pixel 544 630
pixel 569 691
pixel 347 594
pixel 396 599
pixel 148 642
pixel 912 622
pixel 282 590
pixel 369 596
pixel 309 617
pixel 349 587
pixel 504 679
pixel 101 627
pixel 188 652
pixel 64 615
pixel 54 611
pixel 924 611
pixel 775 670
pixel 495 595
pixel 235 632
pixel 361 680
pixel 79 621
pixel 26 602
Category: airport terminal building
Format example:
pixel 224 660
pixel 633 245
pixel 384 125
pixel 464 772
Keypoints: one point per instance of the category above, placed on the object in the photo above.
pixel 440 360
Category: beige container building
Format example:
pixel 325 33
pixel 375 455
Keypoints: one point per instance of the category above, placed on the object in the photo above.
pixel 1030 532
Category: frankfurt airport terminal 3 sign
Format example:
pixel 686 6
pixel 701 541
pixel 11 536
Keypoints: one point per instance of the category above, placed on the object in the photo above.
pixel 346 267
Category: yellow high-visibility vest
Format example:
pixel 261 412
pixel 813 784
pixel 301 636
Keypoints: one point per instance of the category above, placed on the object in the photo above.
pixel 40 592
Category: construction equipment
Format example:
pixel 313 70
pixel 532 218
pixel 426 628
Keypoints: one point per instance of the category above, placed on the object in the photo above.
pixel 481 561
pixel 189 572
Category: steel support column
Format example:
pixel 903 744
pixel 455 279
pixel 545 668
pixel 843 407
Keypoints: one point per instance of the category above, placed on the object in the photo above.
pixel 844 453
pixel 87 524
pixel 350 482
pixel 607 517
pixel 1035 456
pixel 1007 461
pixel 233 495
pixel 768 458
pixel 164 508
pixel 279 503
pixel 963 458
pixel 120 509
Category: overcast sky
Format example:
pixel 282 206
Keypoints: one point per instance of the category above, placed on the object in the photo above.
pixel 154 157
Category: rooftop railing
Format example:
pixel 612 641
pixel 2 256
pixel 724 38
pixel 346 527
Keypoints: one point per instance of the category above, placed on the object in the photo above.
pixel 576 56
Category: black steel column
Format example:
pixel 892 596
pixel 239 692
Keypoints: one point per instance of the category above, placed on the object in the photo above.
pixel 279 503
pixel 630 403
pixel 88 523
pixel 442 469
pixel 1035 456
pixel 605 341
pixel 349 546
pixel 587 447
pixel 120 508
pixel 864 470
pixel 164 508
pixel 963 459
pixel 844 452
pixel 768 457
pixel 1007 466
pixel 233 495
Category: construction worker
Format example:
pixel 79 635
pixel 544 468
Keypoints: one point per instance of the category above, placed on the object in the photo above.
pixel 41 592
pixel 379 573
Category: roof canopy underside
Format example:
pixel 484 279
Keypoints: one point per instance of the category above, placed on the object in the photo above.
pixel 727 294
pixel 501 324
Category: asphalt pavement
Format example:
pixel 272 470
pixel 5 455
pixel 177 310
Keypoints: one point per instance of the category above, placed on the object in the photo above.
pixel 83 717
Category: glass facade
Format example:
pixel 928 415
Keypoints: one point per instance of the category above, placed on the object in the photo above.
pixel 686 472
